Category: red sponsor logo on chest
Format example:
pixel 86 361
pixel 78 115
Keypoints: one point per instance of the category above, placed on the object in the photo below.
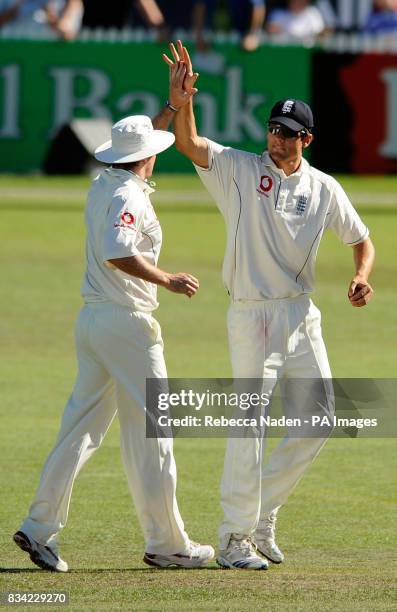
pixel 265 185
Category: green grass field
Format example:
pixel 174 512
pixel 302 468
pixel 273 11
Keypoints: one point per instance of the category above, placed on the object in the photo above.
pixel 338 527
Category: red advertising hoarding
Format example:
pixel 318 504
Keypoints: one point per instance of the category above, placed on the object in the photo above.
pixel 370 84
pixel 355 108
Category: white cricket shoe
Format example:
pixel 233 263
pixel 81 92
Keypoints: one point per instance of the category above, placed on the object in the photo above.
pixel 241 554
pixel 264 539
pixel 198 555
pixel 45 557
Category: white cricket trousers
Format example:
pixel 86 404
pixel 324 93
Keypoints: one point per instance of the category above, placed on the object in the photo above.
pixel 117 349
pixel 274 340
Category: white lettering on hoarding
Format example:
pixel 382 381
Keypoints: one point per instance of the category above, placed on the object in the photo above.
pixel 240 109
pixel 240 122
pixel 208 115
pixel 11 77
pixel 65 101
pixel 389 148
pixel 150 103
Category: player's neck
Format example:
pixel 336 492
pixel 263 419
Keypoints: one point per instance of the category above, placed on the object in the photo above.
pixel 289 166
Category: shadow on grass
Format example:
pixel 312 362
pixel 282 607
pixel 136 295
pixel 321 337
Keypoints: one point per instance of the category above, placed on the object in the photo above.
pixel 104 570
pixel 19 570
pixel 162 208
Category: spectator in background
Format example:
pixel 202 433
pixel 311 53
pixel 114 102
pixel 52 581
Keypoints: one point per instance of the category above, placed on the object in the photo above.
pixel 383 18
pixel 119 13
pixel 300 21
pixel 195 16
pixel 150 13
pixel 9 11
pixel 205 58
pixel 202 20
pixel 177 15
pixel 345 15
pixel 190 15
pixel 248 17
pixel 43 17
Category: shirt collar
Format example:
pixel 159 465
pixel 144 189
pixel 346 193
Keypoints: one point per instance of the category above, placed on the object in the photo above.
pixel 267 161
pixel 130 175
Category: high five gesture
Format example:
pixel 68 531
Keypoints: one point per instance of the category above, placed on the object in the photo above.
pixel 182 77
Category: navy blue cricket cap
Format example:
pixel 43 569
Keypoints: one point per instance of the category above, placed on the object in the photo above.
pixel 295 114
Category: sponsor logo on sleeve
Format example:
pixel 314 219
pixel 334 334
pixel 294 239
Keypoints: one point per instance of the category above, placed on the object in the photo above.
pixel 127 220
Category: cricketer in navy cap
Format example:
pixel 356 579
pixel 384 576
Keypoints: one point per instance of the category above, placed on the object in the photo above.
pixel 295 114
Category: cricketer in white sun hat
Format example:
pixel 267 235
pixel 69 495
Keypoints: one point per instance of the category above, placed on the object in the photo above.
pixel 133 139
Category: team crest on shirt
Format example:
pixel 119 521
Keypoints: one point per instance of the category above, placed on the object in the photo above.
pixel 265 185
pixel 126 220
pixel 301 205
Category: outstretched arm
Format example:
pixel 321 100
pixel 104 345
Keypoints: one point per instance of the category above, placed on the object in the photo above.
pixel 187 140
pixel 67 23
pixel 150 12
pixel 137 266
pixel 166 115
pixel 360 291
pixel 178 96
pixel 163 119
pixel 181 95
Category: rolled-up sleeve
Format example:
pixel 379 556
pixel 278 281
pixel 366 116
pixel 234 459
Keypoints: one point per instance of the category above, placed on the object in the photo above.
pixel 218 177
pixel 344 220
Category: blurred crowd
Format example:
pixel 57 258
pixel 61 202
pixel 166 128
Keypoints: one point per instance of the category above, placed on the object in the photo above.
pixel 296 20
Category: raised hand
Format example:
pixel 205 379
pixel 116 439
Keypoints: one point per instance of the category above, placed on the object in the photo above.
pixel 182 77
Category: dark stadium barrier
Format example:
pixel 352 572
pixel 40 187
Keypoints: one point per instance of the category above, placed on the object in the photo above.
pixel 355 105
pixel 72 148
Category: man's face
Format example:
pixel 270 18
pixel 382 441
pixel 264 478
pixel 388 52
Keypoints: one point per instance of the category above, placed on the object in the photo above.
pixel 284 149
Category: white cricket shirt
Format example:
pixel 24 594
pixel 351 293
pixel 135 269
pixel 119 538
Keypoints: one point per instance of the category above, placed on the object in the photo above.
pixel 120 222
pixel 274 222
pixel 307 23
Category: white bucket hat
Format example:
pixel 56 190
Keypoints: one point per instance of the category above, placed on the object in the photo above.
pixel 133 138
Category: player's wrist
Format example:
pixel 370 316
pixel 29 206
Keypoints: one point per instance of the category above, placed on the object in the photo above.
pixel 172 106
pixel 165 280
pixel 360 278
